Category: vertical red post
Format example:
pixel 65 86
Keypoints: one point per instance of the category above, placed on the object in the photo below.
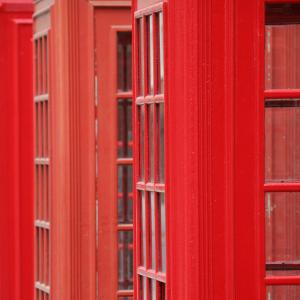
pixel 16 151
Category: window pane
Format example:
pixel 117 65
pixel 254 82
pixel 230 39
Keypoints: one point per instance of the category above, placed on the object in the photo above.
pixel 141 57
pixel 125 194
pixel 141 141
pixel 124 128
pixel 150 55
pixel 124 61
pixel 282 147
pixel 125 260
pixel 143 229
pixel 282 46
pixel 151 141
pixel 282 218
pixel 142 288
pixel 283 292
pixel 160 128
pixel 152 209
pixel 161 53
pixel 162 222
pixel 162 291
pixel 152 290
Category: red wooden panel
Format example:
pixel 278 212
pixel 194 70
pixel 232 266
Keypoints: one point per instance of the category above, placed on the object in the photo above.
pixel 16 133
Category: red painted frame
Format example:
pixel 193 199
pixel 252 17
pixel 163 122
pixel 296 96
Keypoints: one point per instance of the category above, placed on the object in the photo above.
pixel 108 21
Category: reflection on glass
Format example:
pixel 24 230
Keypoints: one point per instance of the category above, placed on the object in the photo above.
pixel 124 63
pixel 124 194
pixel 152 290
pixel 151 141
pixel 141 141
pixel 282 221
pixel 124 128
pixel 145 288
pixel 282 46
pixel 152 205
pixel 282 135
pixel 125 260
pixel 150 56
pixel 283 292
pixel 160 118
pixel 161 53
pixel 162 221
pixel 143 229
pixel 141 58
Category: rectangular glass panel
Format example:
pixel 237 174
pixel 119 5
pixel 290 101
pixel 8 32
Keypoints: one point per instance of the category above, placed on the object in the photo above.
pixel 125 260
pixel 282 147
pixel 141 288
pixel 162 222
pixel 282 46
pixel 124 194
pixel 124 128
pixel 141 141
pixel 141 57
pixel 153 290
pixel 161 53
pixel 162 291
pixel 124 61
pixel 153 254
pixel 143 229
pixel 283 292
pixel 160 132
pixel 282 222
pixel 150 55
pixel 151 142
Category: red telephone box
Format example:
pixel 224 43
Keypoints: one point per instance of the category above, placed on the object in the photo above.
pixel 16 151
pixel 230 132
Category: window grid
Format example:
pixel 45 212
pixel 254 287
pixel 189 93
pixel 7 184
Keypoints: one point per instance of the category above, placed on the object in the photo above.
pixel 42 173
pixel 281 98
pixel 150 186
pixel 124 167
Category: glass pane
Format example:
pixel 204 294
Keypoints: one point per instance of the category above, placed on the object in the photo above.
pixel 125 298
pixel 141 57
pixel 160 128
pixel 282 218
pixel 141 141
pixel 151 141
pixel 282 147
pixel 124 61
pixel 282 46
pixel 152 206
pixel 152 289
pixel 283 292
pixel 124 128
pixel 161 53
pixel 143 229
pixel 162 291
pixel 125 260
pixel 162 222
pixel 150 56
pixel 125 194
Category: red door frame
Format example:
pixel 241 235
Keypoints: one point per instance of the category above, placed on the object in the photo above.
pixel 108 22
pixel 16 151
